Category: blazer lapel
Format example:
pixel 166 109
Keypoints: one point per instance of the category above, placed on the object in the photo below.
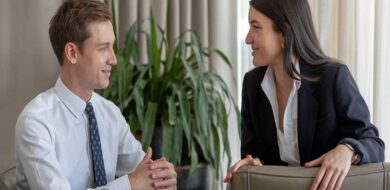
pixel 307 115
pixel 268 129
pixel 265 121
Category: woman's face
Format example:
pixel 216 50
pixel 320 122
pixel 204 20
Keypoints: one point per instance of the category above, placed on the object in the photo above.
pixel 266 43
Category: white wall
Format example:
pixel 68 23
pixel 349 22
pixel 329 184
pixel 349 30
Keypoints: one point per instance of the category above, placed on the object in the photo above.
pixel 27 63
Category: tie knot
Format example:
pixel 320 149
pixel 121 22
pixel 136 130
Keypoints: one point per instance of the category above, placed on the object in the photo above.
pixel 89 108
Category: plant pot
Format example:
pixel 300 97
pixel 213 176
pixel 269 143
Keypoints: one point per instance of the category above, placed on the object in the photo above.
pixel 201 178
pixel 156 143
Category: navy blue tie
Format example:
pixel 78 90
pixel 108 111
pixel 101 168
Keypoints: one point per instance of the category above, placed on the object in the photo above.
pixel 97 155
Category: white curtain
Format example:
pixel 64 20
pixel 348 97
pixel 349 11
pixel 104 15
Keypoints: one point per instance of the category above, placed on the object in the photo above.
pixel 28 65
pixel 355 32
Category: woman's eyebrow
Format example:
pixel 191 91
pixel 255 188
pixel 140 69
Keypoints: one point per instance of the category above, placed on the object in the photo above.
pixel 254 22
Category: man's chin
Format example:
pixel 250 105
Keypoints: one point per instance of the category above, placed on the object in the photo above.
pixel 102 86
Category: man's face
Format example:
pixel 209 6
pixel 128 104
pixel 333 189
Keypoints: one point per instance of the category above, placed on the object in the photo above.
pixel 97 58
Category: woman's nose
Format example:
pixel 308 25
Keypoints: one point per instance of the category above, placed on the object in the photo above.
pixel 248 39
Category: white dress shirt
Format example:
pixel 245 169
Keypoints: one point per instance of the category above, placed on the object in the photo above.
pixel 287 141
pixel 52 145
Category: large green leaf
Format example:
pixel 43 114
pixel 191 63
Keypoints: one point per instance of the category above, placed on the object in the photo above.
pixel 167 138
pixel 149 121
pixel 174 88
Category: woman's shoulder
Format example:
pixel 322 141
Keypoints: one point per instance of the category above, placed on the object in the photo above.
pixel 326 69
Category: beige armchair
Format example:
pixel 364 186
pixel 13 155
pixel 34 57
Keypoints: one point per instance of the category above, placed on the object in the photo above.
pixel 366 177
pixel 8 179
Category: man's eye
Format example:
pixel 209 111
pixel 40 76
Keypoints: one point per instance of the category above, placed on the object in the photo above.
pixel 255 26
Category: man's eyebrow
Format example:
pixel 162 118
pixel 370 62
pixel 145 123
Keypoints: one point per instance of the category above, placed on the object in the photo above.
pixel 103 44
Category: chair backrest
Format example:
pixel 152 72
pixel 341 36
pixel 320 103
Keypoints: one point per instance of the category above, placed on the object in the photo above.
pixel 8 179
pixel 369 176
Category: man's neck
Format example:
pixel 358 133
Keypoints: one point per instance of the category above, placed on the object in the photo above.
pixel 73 84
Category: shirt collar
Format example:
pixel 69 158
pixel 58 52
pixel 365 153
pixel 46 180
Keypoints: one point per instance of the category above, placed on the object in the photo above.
pixel 297 83
pixel 268 83
pixel 74 103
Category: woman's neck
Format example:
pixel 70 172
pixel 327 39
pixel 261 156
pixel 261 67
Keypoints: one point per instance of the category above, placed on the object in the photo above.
pixel 283 82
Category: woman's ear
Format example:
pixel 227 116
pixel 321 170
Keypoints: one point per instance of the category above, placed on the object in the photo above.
pixel 282 40
pixel 71 52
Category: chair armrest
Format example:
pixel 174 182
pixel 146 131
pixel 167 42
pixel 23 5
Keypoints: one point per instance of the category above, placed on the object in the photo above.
pixel 8 179
pixel 369 176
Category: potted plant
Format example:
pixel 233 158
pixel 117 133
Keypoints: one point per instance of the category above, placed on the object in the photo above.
pixel 175 93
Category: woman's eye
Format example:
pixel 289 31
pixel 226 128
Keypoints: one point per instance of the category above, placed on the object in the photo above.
pixel 255 26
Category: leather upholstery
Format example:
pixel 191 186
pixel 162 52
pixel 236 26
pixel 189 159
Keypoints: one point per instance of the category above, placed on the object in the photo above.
pixel 8 179
pixel 369 176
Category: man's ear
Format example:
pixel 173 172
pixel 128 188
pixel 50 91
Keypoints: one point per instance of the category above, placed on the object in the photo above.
pixel 71 52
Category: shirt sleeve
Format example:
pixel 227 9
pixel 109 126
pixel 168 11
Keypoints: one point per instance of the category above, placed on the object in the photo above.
pixel 121 183
pixel 130 152
pixel 35 149
pixel 36 153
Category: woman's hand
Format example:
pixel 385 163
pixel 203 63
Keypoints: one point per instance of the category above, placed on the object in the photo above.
pixel 249 160
pixel 335 165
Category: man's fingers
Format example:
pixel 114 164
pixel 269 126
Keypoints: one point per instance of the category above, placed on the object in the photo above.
pixel 160 159
pixel 163 174
pixel 148 156
pixel 162 164
pixel 165 183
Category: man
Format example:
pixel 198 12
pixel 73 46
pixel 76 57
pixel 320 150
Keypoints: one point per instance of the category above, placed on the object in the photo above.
pixel 70 137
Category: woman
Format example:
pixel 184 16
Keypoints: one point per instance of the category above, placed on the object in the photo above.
pixel 300 107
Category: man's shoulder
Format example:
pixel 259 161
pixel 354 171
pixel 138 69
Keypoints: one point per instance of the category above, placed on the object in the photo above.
pixel 39 111
pixel 107 110
pixel 43 102
pixel 105 103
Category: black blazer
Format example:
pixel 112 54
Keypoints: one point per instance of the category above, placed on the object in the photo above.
pixel 331 111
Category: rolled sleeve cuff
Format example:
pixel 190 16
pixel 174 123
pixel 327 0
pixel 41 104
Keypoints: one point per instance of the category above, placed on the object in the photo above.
pixel 354 144
pixel 121 183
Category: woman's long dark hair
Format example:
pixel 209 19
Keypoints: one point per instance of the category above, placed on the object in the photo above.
pixel 293 18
